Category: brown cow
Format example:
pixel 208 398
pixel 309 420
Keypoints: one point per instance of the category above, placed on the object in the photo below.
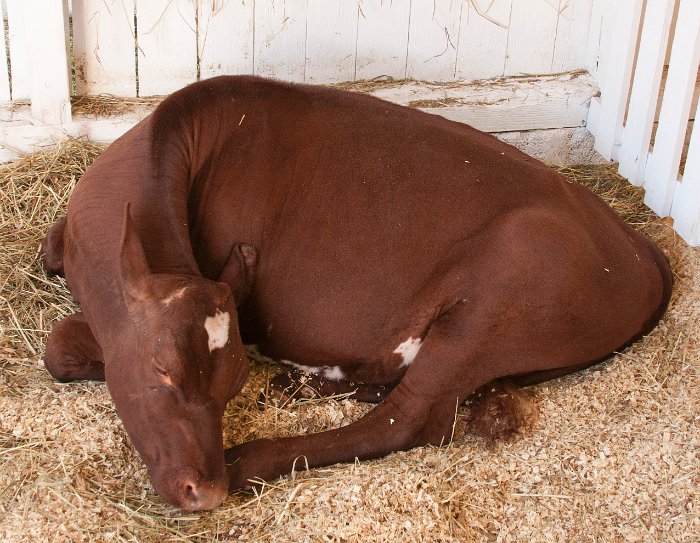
pixel 356 239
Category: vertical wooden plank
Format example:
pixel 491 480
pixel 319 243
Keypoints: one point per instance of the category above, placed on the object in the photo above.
pixel 686 198
pixel 432 39
pixel 382 38
pixel 331 35
pixel 483 39
pixel 103 47
pixel 226 29
pixel 48 58
pixel 662 167
pixel 618 72
pixel 280 39
pixel 645 90
pixel 19 50
pixel 4 75
pixel 167 45
pixel 597 36
pixel 531 37
pixel 563 33
pixel 572 35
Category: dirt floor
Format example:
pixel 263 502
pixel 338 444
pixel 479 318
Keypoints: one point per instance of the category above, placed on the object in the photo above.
pixel 614 455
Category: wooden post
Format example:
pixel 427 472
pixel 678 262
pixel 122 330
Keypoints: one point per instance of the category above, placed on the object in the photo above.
pixel 4 76
pixel 48 58
pixel 662 167
pixel 19 50
pixel 618 73
pixel 686 198
pixel 645 90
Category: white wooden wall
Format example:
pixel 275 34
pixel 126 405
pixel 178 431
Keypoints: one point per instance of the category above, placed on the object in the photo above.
pixel 157 45
pixel 632 108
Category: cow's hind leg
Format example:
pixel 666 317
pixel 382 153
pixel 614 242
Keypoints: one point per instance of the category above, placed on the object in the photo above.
pixel 529 304
pixel 420 410
pixel 72 353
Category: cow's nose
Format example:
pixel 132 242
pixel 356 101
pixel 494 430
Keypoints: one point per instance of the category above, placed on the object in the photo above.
pixel 203 495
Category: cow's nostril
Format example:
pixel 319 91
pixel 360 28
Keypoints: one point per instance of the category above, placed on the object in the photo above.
pixel 190 492
pixel 203 496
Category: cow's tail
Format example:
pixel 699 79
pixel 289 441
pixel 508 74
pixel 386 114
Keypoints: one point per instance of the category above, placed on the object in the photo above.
pixel 500 410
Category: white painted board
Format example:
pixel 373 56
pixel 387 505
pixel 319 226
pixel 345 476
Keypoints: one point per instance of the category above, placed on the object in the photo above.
pixel 4 75
pixel 18 40
pixel 571 39
pixel 331 37
pixel 517 104
pixel 685 209
pixel 104 47
pixel 48 58
pixel 598 38
pixel 280 39
pixel 433 38
pixel 483 39
pixel 531 37
pixel 382 38
pixel 618 73
pixel 167 45
pixel 645 90
pixel 226 30
pixel 662 167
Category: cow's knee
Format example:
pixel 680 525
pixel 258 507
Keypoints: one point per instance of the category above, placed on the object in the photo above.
pixel 52 248
pixel 437 428
pixel 415 423
pixel 72 353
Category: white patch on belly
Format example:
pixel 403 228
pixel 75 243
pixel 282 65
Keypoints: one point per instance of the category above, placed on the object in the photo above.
pixel 217 329
pixel 315 370
pixel 334 373
pixel 408 350
pixel 174 296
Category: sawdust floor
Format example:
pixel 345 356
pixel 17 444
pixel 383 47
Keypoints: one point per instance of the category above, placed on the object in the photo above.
pixel 613 457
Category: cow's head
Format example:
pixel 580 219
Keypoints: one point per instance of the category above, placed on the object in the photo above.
pixel 180 361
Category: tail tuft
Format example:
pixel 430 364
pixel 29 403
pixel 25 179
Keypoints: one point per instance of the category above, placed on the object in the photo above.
pixel 500 410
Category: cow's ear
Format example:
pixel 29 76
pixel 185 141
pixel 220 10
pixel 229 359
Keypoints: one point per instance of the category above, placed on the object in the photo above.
pixel 239 271
pixel 133 266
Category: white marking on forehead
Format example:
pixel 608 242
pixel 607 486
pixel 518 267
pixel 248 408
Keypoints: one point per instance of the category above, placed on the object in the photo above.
pixel 408 350
pixel 175 295
pixel 217 329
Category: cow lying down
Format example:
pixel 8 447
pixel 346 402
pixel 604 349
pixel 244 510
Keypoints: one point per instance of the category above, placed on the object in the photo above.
pixel 389 252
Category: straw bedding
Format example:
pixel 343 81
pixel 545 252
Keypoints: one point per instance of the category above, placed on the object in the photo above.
pixel 612 457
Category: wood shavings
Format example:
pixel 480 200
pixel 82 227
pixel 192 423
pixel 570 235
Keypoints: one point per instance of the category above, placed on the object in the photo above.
pixel 614 455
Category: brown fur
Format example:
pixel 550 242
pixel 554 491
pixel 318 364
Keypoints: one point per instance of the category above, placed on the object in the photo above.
pixel 333 230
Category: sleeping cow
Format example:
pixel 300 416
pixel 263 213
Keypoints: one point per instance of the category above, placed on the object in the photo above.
pixel 357 240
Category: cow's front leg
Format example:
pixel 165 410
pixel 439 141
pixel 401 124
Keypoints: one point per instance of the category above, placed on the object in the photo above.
pixel 72 353
pixel 396 424
pixel 419 411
